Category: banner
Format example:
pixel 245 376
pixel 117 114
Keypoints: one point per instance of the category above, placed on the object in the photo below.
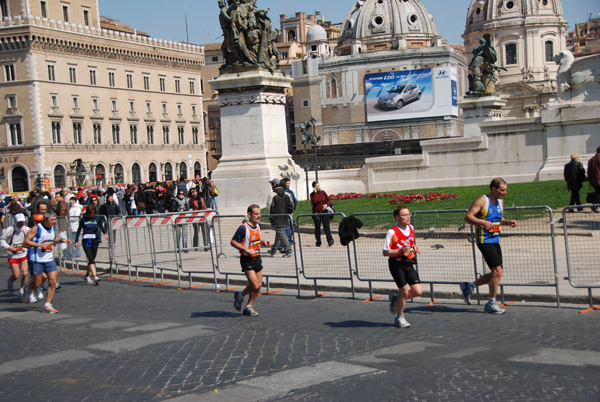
pixel 411 94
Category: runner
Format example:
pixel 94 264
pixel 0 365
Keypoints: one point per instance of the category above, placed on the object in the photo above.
pixel 247 240
pixel 486 212
pixel 12 240
pixel 400 247
pixel 91 225
pixel 40 240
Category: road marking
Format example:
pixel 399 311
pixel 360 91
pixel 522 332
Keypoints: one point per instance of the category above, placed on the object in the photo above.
pixel 565 357
pixel 38 361
pixel 112 324
pixel 72 321
pixel 141 341
pixel 153 327
pixel 41 317
pixel 466 352
pixel 12 314
pixel 379 355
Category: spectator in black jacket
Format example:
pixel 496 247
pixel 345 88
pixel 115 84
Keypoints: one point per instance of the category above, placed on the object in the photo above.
pixel 110 209
pixel 574 174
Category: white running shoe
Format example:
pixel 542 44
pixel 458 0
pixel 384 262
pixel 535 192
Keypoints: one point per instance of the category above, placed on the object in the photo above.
pixel 38 294
pixel 21 292
pixel 88 280
pixel 401 322
pixel 49 309
pixel 31 298
pixel 493 308
pixel 96 281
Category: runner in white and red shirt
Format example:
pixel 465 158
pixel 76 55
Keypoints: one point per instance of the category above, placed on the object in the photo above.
pixel 12 240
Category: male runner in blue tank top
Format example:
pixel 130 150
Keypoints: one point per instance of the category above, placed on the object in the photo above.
pixel 486 214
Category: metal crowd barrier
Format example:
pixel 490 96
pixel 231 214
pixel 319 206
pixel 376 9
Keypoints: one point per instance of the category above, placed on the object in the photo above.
pixel 66 227
pixel 582 246
pixel 319 261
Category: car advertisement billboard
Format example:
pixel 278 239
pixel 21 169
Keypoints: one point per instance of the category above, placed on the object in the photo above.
pixel 411 94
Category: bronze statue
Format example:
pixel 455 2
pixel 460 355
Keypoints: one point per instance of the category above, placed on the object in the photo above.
pixel 248 36
pixel 483 68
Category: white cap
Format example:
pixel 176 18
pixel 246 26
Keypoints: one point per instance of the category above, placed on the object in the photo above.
pixel 19 218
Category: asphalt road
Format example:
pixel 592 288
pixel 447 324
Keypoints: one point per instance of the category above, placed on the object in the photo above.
pixel 135 342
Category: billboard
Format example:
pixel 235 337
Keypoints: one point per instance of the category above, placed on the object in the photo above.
pixel 411 94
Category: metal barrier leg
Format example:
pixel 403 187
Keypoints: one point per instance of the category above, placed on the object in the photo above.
pixel 316 288
pixel 591 299
pixel 370 289
pixel 432 292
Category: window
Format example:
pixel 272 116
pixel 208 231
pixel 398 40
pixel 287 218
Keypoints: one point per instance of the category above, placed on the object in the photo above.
pixel 129 80
pixel 195 137
pixel 164 108
pixel 95 104
pixel 177 85
pixel 193 86
pixel 511 54
pixel 54 101
pixel 93 77
pixel 179 111
pixel 60 176
pixel 43 9
pixel 152 173
pixel 215 58
pixel 75 102
pixel 549 47
pixel 136 173
pixel 149 108
pixel 166 139
pixel 77 138
pixel 12 101
pixel 114 105
pixel 131 106
pixel 183 170
pixel 16 136
pixel 119 175
pixel 150 135
pixel 168 171
pixel 4 8
pixel 163 85
pixel 193 110
pixel 181 135
pixel 51 72
pixel 116 134
pixel 66 13
pixel 111 79
pixel 86 17
pixel 305 103
pixel 9 72
pixel 56 135
pixel 133 137
pixel 147 82
pixel 97 133
pixel 73 75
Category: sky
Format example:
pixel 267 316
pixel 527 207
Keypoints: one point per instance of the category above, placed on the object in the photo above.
pixel 166 19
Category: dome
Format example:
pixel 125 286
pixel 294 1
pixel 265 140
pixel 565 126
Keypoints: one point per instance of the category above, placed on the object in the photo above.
pixel 316 33
pixel 401 23
pixel 512 12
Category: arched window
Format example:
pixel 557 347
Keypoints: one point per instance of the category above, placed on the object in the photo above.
pixel 549 47
pixel 291 35
pixel 60 176
pixel 333 84
pixel 511 54
pixel 183 170
pixel 197 169
pixel 168 171
pixel 119 174
pixel 20 181
pixel 152 173
pixel 100 175
pixel 136 173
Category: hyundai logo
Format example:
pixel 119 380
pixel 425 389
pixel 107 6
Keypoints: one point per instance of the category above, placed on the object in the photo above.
pixel 442 73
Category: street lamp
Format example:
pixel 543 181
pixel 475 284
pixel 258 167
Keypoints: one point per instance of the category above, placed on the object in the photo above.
pixel 314 140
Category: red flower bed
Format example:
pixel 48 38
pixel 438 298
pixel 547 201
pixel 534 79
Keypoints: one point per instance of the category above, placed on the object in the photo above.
pixel 398 198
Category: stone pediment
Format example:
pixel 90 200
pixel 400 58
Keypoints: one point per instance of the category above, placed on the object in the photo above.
pixel 516 89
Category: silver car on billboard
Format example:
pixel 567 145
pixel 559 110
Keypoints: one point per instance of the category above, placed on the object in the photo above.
pixel 399 95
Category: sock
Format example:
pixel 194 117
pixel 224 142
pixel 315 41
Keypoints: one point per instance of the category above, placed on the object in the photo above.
pixel 492 300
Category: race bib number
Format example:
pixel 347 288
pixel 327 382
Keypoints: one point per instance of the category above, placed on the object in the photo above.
pixel 89 236
pixel 496 230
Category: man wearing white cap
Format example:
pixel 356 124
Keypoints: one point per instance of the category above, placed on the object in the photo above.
pixel 12 240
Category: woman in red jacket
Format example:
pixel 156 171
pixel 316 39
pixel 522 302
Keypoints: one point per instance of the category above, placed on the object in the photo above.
pixel 320 202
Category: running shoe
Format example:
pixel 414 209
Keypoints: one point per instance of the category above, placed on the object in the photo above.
pixel 24 297
pixel 10 285
pixel 393 300
pixel 401 322
pixel 96 281
pixel 466 292
pixel 38 294
pixel 238 300
pixel 493 308
pixel 271 253
pixel 288 255
pixel 57 286
pixel 21 291
pixel 49 309
pixel 87 279
pixel 30 298
pixel 249 310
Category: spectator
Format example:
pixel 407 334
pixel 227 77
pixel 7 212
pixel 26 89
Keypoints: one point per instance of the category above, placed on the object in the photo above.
pixel 574 174
pixel 594 177
pixel 74 215
pixel 320 202
pixel 180 204
pixel 140 200
pixel 110 209
pixel 290 228
pixel 150 199
pixel 62 214
pixel 161 198
pixel 197 204
pixel 281 205
pixel 85 199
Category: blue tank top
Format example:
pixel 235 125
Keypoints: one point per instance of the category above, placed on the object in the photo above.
pixel 491 213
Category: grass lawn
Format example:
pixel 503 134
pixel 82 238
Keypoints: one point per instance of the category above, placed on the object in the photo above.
pixel 553 194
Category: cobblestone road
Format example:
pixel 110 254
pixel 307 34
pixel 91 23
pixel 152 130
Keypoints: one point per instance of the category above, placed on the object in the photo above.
pixel 134 342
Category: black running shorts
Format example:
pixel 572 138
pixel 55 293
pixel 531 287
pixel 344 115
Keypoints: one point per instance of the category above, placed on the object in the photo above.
pixel 403 273
pixel 251 263
pixel 492 254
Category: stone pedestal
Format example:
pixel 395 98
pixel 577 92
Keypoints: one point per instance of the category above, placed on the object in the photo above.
pixel 254 138
pixel 477 110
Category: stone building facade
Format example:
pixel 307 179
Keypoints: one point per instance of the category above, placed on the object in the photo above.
pixel 128 106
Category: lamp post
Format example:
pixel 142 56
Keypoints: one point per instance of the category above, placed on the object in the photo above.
pixel 314 140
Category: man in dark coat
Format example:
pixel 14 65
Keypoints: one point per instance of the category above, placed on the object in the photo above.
pixel 281 205
pixel 574 174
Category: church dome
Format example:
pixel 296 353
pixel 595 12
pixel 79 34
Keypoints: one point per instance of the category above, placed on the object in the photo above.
pixel 316 33
pixel 512 12
pixel 388 24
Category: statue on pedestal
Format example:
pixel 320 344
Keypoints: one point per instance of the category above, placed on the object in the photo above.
pixel 483 68
pixel 248 36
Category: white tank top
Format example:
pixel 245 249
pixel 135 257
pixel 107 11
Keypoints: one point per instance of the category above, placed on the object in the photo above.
pixel 43 235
